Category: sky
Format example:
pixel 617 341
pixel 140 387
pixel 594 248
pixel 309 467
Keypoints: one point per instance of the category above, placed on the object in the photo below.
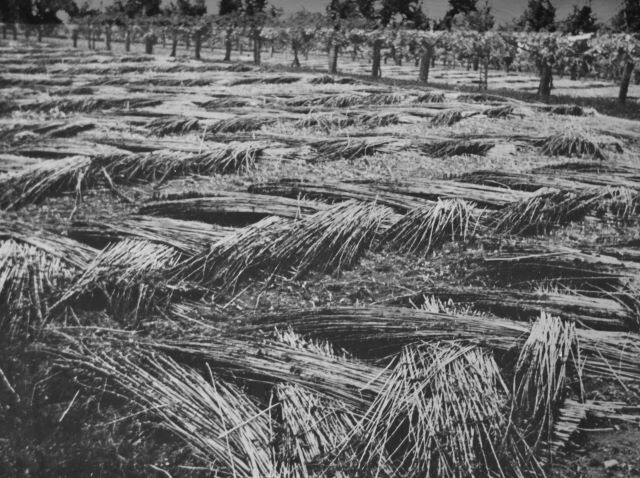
pixel 504 10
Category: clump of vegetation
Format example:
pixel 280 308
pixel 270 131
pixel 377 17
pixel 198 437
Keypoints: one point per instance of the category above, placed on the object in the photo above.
pixel 46 178
pixel 571 144
pixel 546 209
pixel 448 118
pixel 455 147
pixel 430 97
pixel 165 126
pixel 423 229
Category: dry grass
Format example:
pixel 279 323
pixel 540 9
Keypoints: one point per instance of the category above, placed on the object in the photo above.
pixel 455 147
pixel 217 421
pixel 346 100
pixel 499 112
pixel 571 144
pixel 329 241
pixel 334 191
pixel 376 332
pixel 540 379
pixel 34 183
pixel 548 208
pixel 189 237
pixel 430 97
pixel 89 104
pixel 441 413
pixel 330 121
pixel 240 124
pixel 162 165
pixel 172 125
pixel 314 428
pixel 353 148
pixel 333 239
pixel 449 117
pixel 35 268
pixel 565 110
pixel 128 277
pixel 234 208
pixel 423 229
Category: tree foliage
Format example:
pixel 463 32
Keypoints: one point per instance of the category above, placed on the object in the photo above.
pixel 458 7
pixel 479 20
pixel 540 15
pixel 628 18
pixel 36 11
pixel 581 20
pixel 229 6
pixel 409 11
pixel 383 13
pixel 188 8
pixel 135 8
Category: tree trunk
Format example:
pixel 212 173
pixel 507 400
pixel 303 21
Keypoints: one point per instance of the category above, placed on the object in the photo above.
pixel 296 60
pixel 334 51
pixel 127 41
pixel 546 81
pixel 227 47
pixel 574 71
pixel 197 44
pixel 107 37
pixel 40 32
pixel 187 41
pixel 148 45
pixel 476 63
pixel 74 38
pixel 257 45
pixel 376 69
pixel 425 64
pixel 89 35
pixel 174 44
pixel 624 84
pixel 485 84
pixel 164 40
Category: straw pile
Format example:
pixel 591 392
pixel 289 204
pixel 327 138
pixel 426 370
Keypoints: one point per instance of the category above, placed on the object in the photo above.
pixel 423 229
pixel 540 378
pixel 34 183
pixel 190 237
pixel 128 277
pixel 572 144
pixel 441 413
pixel 329 241
pixel 218 422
